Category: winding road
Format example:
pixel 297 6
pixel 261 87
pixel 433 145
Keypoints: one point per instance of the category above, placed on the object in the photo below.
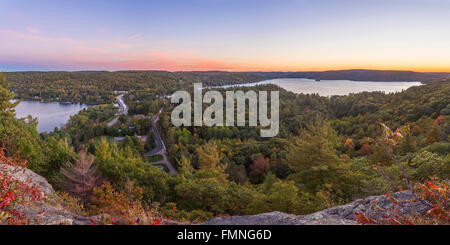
pixel 160 148
pixel 123 110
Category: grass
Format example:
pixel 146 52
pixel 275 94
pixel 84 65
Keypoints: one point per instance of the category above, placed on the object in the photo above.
pixel 166 169
pixel 154 158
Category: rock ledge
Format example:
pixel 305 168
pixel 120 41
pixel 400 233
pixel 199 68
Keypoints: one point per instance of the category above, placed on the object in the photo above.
pixel 339 215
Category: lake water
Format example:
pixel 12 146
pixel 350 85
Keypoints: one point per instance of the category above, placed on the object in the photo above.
pixel 333 87
pixel 50 115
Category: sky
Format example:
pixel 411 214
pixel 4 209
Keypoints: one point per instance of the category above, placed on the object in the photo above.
pixel 231 35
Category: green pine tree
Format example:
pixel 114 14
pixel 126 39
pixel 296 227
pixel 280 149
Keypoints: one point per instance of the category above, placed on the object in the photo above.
pixel 6 107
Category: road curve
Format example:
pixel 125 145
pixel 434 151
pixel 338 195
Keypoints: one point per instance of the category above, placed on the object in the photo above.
pixel 123 110
pixel 160 147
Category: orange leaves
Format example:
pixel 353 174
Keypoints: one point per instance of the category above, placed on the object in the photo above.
pixel 416 130
pixel 361 218
pixel 440 120
pixel 121 207
pixel 349 145
pixel 434 191
pixel 12 161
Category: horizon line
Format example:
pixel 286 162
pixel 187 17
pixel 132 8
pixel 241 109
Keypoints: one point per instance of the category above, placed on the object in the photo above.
pixel 228 71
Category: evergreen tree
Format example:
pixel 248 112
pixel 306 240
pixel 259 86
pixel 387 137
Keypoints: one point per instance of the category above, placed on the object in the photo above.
pixel 186 168
pixel 6 107
pixel 408 144
pixel 312 156
pixel 313 148
pixel 208 156
pixel 81 177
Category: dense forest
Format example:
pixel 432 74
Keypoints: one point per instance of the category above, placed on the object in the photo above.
pixel 329 151
pixel 97 87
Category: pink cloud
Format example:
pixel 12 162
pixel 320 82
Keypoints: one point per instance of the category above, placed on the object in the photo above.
pixel 68 53
pixel 153 61
pixel 33 30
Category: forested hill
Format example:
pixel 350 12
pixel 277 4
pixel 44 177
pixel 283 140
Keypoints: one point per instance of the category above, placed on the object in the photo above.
pixel 370 75
pixel 96 87
pixel 329 151
pixel 220 77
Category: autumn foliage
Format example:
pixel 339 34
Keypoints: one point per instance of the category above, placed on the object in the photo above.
pixel 122 207
pixel 13 191
pixel 365 150
pixel 259 168
pixel 435 193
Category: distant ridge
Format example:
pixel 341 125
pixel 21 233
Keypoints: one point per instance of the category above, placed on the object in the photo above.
pixel 218 77
pixel 371 75
pixel 224 77
pixel 361 75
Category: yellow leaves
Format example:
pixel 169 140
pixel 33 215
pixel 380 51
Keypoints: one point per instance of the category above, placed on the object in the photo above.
pixel 208 156
pixel 4 216
pixel 349 145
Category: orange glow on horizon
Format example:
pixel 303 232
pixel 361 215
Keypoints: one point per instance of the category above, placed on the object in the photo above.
pixel 306 68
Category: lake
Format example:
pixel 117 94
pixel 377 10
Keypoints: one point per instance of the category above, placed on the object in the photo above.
pixel 332 87
pixel 50 115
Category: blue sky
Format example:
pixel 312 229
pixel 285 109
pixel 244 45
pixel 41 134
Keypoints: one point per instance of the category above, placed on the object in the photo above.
pixel 268 35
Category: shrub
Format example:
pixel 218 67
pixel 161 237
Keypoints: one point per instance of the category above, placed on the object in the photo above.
pixel 434 192
pixel 14 192
pixel 122 207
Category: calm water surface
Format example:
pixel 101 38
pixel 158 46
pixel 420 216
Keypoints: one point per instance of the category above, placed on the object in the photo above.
pixel 333 87
pixel 50 115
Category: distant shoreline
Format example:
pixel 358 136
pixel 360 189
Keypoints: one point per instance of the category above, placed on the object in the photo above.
pixel 52 101
pixel 227 76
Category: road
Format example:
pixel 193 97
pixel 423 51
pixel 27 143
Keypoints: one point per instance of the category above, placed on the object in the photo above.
pixel 160 147
pixel 123 110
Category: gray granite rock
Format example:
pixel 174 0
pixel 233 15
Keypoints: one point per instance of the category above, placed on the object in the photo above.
pixel 29 177
pixel 373 206
pixel 44 213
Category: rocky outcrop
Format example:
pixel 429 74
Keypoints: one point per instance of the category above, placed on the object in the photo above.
pixel 30 178
pixel 277 218
pixel 44 214
pixel 374 206
pixel 47 210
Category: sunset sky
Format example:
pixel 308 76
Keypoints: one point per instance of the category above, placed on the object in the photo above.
pixel 233 35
